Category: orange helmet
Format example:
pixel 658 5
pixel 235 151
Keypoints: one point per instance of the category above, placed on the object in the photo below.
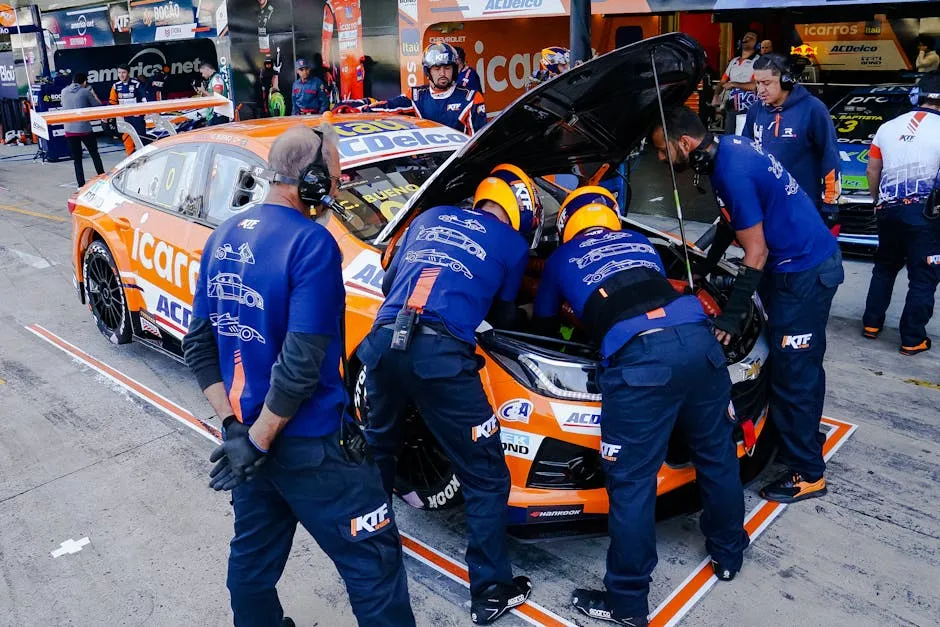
pixel 514 191
pixel 587 207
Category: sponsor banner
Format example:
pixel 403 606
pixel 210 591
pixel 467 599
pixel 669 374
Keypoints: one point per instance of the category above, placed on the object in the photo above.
pixel 373 146
pixel 79 28
pixel 520 443
pixel 183 59
pixel 554 512
pixel 583 419
pixel 172 314
pixel 149 19
pixel 853 46
pixel 8 87
pixel 7 16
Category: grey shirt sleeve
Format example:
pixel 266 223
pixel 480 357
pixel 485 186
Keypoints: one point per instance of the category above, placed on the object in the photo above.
pixel 296 372
pixel 202 353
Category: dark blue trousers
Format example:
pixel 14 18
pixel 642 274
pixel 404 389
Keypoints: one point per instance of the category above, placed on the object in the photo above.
pixel 905 238
pixel 343 506
pixel 675 379
pixel 798 305
pixel 440 375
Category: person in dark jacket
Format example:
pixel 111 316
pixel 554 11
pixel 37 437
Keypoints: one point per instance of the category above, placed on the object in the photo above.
pixel 76 96
pixel 795 127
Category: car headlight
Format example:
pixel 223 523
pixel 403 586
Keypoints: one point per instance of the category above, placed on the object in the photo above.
pixel 571 378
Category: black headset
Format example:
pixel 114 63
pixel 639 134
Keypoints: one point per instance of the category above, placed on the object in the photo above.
pixel 702 159
pixel 314 182
pixel 787 80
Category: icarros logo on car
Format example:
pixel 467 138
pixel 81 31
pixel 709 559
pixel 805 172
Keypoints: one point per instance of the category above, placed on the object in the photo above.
pixel 516 410
pixel 583 419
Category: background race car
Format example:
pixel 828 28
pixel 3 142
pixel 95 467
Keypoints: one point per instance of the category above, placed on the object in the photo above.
pixel 857 118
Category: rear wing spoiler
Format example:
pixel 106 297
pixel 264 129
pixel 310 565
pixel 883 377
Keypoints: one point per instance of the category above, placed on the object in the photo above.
pixel 39 122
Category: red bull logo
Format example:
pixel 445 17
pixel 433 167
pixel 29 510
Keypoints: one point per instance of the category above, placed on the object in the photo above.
pixel 804 50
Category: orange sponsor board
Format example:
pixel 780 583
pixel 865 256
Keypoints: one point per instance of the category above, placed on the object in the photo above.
pixel 851 46
pixel 506 52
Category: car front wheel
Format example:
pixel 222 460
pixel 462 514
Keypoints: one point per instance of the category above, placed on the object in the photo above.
pixel 105 292
pixel 424 477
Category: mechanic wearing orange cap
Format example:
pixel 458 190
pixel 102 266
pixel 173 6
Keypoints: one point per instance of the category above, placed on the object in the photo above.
pixel 662 371
pixel 454 266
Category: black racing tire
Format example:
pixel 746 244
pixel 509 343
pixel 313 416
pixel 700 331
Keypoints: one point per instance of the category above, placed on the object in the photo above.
pixel 105 293
pixel 425 477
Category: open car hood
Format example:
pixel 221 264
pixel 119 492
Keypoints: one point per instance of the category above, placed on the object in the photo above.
pixel 590 116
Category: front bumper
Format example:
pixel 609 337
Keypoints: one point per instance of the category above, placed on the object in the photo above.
pixel 859 227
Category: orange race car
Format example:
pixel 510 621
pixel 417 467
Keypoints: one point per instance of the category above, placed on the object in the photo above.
pixel 138 233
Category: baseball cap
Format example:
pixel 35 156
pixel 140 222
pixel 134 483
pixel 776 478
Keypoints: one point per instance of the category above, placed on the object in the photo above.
pixel 301 63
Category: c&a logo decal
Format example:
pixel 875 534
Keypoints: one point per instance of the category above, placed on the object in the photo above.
pixel 372 522
pixel 797 342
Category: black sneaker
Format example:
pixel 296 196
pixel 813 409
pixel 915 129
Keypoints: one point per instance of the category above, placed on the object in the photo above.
pixel 287 621
pixel 792 487
pixel 498 599
pixel 871 332
pixel 594 604
pixel 723 572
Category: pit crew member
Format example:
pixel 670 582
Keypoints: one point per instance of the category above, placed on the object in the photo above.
pixel 421 350
pixel 738 81
pixel 903 169
pixel 553 61
pixel 156 88
pixel 309 93
pixel 270 366
pixel 662 371
pixel 128 90
pixel 467 77
pixel 796 128
pixel 441 100
pixel 791 255
pixel 269 83
pixel 212 84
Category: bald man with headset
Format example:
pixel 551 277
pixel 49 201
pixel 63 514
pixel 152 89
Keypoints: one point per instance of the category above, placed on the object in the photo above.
pixel 269 367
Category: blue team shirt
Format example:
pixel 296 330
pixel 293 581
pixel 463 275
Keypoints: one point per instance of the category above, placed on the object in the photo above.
pixel 579 267
pixel 755 187
pixel 310 96
pixel 472 258
pixel 469 79
pixel 263 273
pixel 459 108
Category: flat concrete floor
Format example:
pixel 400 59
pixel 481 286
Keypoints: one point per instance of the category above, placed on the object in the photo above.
pixel 80 457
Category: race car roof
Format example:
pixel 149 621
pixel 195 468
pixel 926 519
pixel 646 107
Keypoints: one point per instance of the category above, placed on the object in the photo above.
pixel 591 115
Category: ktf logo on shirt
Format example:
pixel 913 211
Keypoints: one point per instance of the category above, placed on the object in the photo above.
pixel 797 342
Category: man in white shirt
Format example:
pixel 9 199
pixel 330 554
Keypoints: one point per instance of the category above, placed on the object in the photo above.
pixel 739 79
pixel 903 169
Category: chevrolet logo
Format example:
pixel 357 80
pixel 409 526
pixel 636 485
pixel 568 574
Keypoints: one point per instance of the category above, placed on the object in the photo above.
pixel 753 370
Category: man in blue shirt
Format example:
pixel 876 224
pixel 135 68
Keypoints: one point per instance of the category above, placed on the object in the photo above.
pixel 441 100
pixel 309 93
pixel 467 77
pixel 454 268
pixel 264 345
pixel 795 127
pixel 662 371
pixel 790 254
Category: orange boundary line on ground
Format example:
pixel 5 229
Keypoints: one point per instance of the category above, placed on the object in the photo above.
pixel 444 564
pixel 690 591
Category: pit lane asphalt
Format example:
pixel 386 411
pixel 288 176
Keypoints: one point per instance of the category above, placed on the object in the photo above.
pixel 80 457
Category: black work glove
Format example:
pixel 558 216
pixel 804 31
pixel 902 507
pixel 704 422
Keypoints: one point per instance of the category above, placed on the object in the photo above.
pixel 732 316
pixel 236 459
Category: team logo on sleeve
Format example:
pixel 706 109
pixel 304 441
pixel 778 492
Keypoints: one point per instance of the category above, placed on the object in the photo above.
pixel 372 522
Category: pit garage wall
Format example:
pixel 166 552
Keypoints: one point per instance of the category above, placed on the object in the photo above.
pixel 294 28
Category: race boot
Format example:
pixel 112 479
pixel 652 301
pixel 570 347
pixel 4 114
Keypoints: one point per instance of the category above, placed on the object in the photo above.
pixel 792 487
pixel 871 333
pixel 499 598
pixel 593 603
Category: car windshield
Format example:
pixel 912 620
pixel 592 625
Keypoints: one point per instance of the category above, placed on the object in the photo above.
pixel 858 117
pixel 372 194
